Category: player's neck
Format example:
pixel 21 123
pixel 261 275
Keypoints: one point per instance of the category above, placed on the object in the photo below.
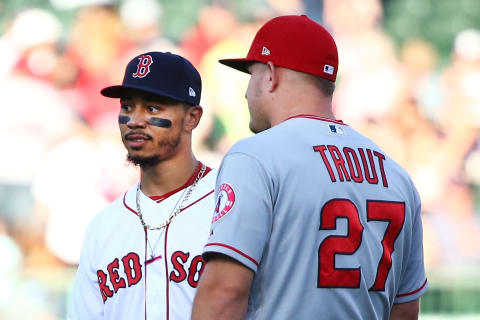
pixel 168 175
pixel 304 101
pixel 322 111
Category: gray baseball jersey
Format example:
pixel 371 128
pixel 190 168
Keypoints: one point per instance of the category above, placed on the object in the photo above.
pixel 329 223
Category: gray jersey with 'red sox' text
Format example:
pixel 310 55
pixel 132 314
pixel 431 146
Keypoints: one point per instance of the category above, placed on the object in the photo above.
pixel 328 222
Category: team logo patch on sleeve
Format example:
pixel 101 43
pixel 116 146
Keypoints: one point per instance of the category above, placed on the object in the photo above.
pixel 225 201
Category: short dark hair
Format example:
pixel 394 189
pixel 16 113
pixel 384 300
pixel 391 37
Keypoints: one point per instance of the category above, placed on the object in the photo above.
pixel 327 87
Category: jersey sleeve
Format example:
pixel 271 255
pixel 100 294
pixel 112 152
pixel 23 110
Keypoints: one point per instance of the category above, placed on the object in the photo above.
pixel 414 281
pixel 86 300
pixel 242 218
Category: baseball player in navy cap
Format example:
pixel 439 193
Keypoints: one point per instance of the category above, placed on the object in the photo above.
pixel 312 219
pixel 141 257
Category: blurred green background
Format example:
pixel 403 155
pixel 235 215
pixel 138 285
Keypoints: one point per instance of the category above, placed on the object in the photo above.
pixel 409 77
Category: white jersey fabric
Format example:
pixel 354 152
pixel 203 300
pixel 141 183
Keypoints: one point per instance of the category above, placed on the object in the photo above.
pixel 118 276
pixel 328 222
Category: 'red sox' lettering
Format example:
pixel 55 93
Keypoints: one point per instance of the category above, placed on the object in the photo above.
pixel 131 268
pixel 353 164
pixel 128 272
pixel 179 274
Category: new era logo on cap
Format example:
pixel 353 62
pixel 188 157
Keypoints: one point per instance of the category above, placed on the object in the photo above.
pixel 191 92
pixel 328 69
pixel 265 51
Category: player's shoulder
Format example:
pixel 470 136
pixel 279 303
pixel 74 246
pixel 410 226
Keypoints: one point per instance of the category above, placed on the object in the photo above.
pixel 118 204
pixel 210 176
pixel 113 214
pixel 396 170
pixel 206 185
pixel 260 143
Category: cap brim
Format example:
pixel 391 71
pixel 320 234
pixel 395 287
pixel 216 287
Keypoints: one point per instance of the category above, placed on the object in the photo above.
pixel 238 64
pixel 122 91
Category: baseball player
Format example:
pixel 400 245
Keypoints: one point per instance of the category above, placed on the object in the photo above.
pixel 312 220
pixel 141 257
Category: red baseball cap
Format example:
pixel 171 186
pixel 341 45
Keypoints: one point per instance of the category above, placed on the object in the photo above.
pixel 293 42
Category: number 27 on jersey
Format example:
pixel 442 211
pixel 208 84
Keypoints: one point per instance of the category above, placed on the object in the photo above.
pixel 331 277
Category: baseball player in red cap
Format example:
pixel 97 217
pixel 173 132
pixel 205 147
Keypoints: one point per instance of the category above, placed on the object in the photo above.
pixel 312 219
pixel 141 257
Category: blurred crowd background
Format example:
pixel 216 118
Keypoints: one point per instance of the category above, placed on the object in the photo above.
pixel 409 78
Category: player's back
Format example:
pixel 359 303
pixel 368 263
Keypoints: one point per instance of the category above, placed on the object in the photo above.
pixel 345 239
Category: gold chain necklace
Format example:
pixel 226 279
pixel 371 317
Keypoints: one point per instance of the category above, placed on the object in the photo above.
pixel 176 211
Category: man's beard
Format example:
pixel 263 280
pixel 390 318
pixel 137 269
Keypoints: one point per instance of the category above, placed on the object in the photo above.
pixel 144 162
pixel 168 146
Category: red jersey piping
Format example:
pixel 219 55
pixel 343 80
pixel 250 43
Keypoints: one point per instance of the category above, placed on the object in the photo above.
pixel 184 208
pixel 126 206
pixel 411 292
pixel 233 249
pixel 199 199
pixel 311 116
pixel 189 182
pixel 166 270
pixel 145 278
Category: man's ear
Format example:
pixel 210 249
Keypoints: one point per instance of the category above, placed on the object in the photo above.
pixel 192 117
pixel 273 76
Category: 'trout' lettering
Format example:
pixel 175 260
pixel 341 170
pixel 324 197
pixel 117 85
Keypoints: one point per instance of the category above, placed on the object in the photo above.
pixel 349 164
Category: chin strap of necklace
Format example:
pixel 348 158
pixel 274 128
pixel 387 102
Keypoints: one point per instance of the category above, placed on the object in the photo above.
pixel 176 211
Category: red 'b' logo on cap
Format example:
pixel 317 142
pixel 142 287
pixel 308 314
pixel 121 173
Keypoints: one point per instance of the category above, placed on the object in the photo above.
pixel 143 67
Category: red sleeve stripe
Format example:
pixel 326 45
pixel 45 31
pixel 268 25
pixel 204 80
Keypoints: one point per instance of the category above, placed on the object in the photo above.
pixel 412 292
pixel 233 249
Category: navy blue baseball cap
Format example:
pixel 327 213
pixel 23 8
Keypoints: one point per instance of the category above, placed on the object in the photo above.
pixel 160 73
